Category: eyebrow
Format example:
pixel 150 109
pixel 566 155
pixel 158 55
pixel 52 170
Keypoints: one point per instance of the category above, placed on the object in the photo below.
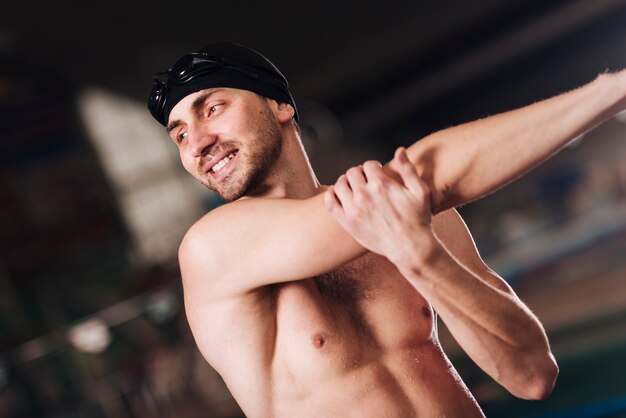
pixel 195 106
pixel 173 125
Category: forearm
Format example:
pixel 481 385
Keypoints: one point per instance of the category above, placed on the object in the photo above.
pixel 466 162
pixel 463 163
pixel 393 218
pixel 459 164
pixel 495 329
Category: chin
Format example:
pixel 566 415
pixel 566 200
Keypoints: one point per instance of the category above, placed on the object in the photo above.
pixel 229 194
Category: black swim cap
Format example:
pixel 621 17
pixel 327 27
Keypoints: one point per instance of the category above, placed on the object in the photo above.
pixel 223 64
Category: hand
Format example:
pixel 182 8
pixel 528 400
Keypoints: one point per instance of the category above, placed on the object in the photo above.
pixel 383 215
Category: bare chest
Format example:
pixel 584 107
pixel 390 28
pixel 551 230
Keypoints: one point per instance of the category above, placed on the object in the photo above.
pixel 346 317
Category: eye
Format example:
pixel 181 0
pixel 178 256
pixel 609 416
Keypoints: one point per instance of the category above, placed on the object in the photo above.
pixel 214 108
pixel 181 136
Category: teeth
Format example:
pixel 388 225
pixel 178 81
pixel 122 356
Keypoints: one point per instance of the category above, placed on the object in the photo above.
pixel 221 163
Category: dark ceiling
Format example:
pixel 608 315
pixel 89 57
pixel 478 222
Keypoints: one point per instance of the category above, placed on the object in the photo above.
pixel 385 70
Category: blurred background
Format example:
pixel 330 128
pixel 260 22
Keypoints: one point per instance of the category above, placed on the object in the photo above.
pixel 93 201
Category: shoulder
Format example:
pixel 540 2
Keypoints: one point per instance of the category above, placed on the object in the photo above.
pixel 227 224
pixel 249 244
pixel 201 235
pixel 205 251
pixel 228 250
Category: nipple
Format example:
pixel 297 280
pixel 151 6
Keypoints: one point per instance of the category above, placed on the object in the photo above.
pixel 426 311
pixel 318 340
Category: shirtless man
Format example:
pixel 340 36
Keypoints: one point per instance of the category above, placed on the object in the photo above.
pixel 317 301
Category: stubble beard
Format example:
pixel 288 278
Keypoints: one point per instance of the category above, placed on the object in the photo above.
pixel 256 161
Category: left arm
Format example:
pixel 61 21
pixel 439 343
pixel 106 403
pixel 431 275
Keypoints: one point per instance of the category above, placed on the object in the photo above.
pixel 512 347
pixel 483 314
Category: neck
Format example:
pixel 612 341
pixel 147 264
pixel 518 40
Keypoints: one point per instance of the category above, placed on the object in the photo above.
pixel 292 176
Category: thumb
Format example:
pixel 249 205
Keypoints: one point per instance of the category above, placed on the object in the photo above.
pixel 411 179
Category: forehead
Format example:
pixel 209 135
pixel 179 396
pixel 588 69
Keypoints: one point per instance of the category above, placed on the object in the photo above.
pixel 190 102
pixel 186 103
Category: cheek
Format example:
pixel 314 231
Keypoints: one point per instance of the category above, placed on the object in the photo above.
pixel 188 163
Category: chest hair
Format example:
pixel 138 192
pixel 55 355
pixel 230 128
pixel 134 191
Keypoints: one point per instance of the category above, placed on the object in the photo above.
pixel 347 288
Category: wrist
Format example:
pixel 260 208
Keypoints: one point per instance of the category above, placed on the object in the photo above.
pixel 417 253
pixel 613 85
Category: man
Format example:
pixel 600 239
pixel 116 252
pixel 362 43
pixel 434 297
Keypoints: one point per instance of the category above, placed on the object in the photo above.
pixel 320 301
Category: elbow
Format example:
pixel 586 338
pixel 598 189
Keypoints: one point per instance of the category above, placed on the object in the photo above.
pixel 546 379
pixel 539 383
pixel 542 385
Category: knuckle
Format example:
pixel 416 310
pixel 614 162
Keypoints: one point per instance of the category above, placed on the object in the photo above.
pixel 408 167
pixel 408 170
pixel 371 165
pixel 361 197
pixel 341 183
pixel 379 183
pixel 376 184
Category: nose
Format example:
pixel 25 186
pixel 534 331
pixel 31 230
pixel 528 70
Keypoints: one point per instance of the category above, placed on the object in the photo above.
pixel 200 140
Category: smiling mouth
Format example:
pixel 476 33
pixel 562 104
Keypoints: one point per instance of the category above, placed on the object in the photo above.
pixel 222 163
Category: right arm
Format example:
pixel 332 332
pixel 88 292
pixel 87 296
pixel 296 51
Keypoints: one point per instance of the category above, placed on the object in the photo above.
pixel 251 243
pixel 466 162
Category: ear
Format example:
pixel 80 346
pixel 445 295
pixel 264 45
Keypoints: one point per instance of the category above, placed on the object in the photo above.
pixel 284 112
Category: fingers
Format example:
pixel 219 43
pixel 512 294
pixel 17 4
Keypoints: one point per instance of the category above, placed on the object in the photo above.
pixel 343 192
pixel 356 177
pixel 332 203
pixel 371 176
pixel 407 171
pixel 339 198
pixel 373 171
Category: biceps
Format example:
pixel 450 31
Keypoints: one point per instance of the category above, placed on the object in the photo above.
pixel 261 242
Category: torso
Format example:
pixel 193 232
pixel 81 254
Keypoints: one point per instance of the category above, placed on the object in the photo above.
pixel 359 341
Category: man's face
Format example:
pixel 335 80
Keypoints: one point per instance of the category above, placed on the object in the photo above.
pixel 229 139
